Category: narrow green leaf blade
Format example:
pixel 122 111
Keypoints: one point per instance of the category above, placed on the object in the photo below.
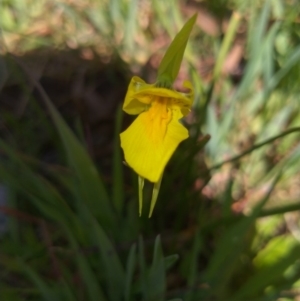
pixel 44 289
pixel 118 189
pixel 170 64
pixel 131 24
pixel 157 278
pixel 142 267
pixel 114 272
pixel 40 191
pixel 288 251
pixel 171 260
pixel 131 261
pixel 193 266
pixel 227 42
pixel 88 186
pixel 230 246
pixel 88 275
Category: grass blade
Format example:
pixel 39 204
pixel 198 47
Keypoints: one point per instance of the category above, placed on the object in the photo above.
pixel 89 187
pixel 131 261
pixel 156 278
pixel 118 189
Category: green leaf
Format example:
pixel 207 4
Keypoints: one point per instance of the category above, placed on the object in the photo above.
pixel 142 267
pixel 118 189
pixel 40 191
pixel 94 290
pixel 291 61
pixel 156 278
pixel 131 24
pixel 88 183
pixel 110 262
pixel 193 266
pixel 115 11
pixel 275 250
pixel 231 245
pixel 129 272
pixel 227 42
pixel 46 291
pixel 3 71
pixel 257 38
pixel 88 186
pixel 171 260
pixel 170 64
pixel 280 254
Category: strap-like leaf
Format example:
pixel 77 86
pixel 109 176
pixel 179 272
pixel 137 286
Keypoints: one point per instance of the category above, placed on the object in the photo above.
pixel 170 64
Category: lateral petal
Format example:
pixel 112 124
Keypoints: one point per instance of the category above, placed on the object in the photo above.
pixel 140 95
pixel 133 104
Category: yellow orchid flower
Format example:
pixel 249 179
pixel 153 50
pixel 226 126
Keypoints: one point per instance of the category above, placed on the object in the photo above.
pixel 152 138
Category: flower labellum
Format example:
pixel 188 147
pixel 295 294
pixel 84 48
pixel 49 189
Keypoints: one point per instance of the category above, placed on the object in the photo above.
pixel 149 142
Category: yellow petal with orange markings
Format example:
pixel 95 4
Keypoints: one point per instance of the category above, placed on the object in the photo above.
pixel 152 138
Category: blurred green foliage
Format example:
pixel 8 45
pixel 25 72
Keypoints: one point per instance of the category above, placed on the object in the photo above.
pixel 228 210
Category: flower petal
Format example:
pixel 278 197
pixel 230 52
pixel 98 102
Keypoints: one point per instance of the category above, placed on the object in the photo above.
pixel 140 95
pixel 183 100
pixel 151 139
pixel 135 105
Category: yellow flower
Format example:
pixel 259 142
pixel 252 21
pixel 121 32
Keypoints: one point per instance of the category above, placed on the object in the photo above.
pixel 152 138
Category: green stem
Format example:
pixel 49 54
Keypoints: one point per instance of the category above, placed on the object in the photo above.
pixel 254 147
pixel 264 213
pixel 280 210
